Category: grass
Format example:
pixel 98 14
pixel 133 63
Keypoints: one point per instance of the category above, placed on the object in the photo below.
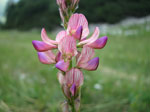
pixel 120 84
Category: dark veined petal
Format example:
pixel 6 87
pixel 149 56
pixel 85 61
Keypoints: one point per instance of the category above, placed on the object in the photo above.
pixel 74 76
pixel 60 77
pixel 77 20
pixel 87 54
pixel 99 43
pixel 46 57
pixel 93 38
pixel 91 65
pixel 62 65
pixel 68 46
pixel 42 46
pixel 60 35
pixel 46 39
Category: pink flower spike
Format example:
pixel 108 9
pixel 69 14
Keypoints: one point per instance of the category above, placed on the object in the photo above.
pixel 45 38
pixel 73 89
pixel 67 46
pixel 99 43
pixel 60 35
pixel 93 38
pixel 77 20
pixel 46 57
pixel 62 65
pixel 91 65
pixel 42 46
pixel 86 55
pixel 74 76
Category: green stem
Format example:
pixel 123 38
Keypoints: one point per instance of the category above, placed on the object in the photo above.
pixel 73 106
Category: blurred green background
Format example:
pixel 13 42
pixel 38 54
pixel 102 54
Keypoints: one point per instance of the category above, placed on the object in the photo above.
pixel 120 84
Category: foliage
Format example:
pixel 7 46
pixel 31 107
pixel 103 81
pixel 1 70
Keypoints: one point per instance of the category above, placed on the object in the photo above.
pixel 29 14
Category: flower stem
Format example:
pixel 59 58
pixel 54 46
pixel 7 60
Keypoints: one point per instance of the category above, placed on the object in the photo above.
pixel 72 106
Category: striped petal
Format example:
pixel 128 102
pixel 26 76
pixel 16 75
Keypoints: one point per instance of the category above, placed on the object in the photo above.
pixel 42 46
pixel 91 65
pixel 93 38
pixel 46 57
pixel 86 55
pixel 74 76
pixel 46 39
pixel 60 35
pixel 58 57
pixel 62 65
pixel 60 77
pixel 99 43
pixel 76 21
pixel 67 46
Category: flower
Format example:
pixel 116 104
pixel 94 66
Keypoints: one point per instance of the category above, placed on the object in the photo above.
pixel 85 61
pixel 78 25
pixel 71 81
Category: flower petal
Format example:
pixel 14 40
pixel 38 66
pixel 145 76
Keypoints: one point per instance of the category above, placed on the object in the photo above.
pixel 45 38
pixel 60 35
pixel 77 20
pixel 67 46
pixel 60 78
pixel 78 33
pixel 99 43
pixel 74 76
pixel 91 65
pixel 58 57
pixel 93 38
pixel 86 55
pixel 73 89
pixel 42 46
pixel 46 57
pixel 62 65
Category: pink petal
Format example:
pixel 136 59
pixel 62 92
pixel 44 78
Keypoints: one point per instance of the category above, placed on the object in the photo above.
pixel 60 35
pixel 93 38
pixel 86 55
pixel 76 21
pixel 67 46
pixel 60 78
pixel 42 46
pixel 73 89
pixel 74 76
pixel 62 65
pixel 46 57
pixel 78 33
pixel 99 43
pixel 91 65
pixel 58 57
pixel 45 38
